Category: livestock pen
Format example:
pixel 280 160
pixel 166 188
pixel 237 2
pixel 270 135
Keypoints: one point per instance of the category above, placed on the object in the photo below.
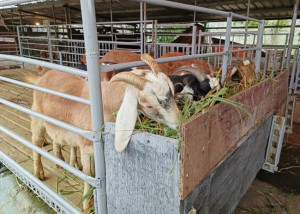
pixel 205 174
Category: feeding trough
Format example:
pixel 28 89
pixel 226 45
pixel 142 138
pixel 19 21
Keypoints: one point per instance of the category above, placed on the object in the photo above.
pixel 221 153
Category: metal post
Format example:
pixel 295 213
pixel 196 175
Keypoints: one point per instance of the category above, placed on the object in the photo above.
pixel 20 43
pixel 111 20
pixel 60 58
pixel 195 13
pixel 226 48
pixel 92 56
pixel 155 41
pixel 20 16
pixel 199 42
pixel 141 28
pixel 194 36
pixel 292 32
pixel 246 29
pixel 259 45
pixel 49 44
pixel 293 71
pixel 145 27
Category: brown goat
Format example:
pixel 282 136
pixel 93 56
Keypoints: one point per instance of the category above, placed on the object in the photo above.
pixel 129 92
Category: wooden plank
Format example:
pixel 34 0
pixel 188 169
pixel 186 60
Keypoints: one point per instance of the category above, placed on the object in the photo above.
pixel 222 189
pixel 211 134
pixel 280 90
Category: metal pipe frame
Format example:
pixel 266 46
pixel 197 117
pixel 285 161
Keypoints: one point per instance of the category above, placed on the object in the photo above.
pixel 49 44
pixel 53 158
pixel 49 91
pixel 38 187
pixel 294 73
pixel 14 2
pixel 45 64
pixel 92 56
pixel 226 48
pixel 194 36
pixel 259 46
pixel 85 133
pixel 107 68
pixel 296 79
pixel 197 9
pixel 292 32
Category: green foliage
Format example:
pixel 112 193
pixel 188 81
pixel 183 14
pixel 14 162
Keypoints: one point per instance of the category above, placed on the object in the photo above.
pixel 188 110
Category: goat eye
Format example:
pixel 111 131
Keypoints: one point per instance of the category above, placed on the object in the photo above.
pixel 149 107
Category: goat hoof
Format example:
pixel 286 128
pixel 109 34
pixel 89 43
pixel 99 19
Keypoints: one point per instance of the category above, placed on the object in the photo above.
pixel 78 166
pixel 40 174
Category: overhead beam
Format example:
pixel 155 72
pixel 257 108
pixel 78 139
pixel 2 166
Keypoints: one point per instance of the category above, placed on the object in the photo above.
pixel 97 14
pixel 38 14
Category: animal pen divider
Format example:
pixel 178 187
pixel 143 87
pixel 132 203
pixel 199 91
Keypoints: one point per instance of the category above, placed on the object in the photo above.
pixel 151 172
pixel 64 44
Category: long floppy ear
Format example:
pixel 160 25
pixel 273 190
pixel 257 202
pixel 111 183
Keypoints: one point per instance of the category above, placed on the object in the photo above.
pixel 126 119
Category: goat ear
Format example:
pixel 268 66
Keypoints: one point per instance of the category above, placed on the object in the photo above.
pixel 126 119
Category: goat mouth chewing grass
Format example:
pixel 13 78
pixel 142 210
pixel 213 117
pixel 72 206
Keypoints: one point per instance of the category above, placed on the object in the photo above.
pixel 188 110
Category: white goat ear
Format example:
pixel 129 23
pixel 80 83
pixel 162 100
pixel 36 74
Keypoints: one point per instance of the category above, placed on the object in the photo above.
pixel 126 119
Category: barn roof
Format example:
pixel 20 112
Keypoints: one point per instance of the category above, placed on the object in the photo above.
pixel 124 10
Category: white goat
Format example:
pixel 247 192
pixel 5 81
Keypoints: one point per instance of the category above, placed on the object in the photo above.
pixel 150 92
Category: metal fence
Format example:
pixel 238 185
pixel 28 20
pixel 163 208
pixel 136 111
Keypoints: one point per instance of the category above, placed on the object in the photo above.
pixel 92 49
pixel 64 44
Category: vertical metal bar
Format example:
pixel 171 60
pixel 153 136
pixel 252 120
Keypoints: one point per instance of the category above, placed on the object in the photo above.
pixel 194 36
pixel 60 58
pixel 296 81
pixel 70 22
pixel 155 45
pixel 199 42
pixel 145 27
pixel 92 56
pixel 49 44
pixel 20 43
pixel 111 18
pixel 274 62
pixel 141 27
pixel 232 46
pixel 266 62
pixel 292 32
pixel 195 13
pixel 226 48
pixel 284 53
pixel 259 46
pixel 292 79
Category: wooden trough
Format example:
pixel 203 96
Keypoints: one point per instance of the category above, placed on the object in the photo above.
pixel 220 157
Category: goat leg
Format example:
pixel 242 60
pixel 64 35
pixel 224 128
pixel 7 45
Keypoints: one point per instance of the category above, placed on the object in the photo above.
pixel 73 158
pixel 87 160
pixel 57 152
pixel 38 133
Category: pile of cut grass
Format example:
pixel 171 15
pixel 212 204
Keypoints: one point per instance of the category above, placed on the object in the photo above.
pixel 188 110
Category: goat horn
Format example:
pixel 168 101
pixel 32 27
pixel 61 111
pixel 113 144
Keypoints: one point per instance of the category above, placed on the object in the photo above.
pixel 193 69
pixel 130 78
pixel 152 63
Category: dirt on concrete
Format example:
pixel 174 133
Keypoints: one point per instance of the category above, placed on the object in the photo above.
pixel 277 193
